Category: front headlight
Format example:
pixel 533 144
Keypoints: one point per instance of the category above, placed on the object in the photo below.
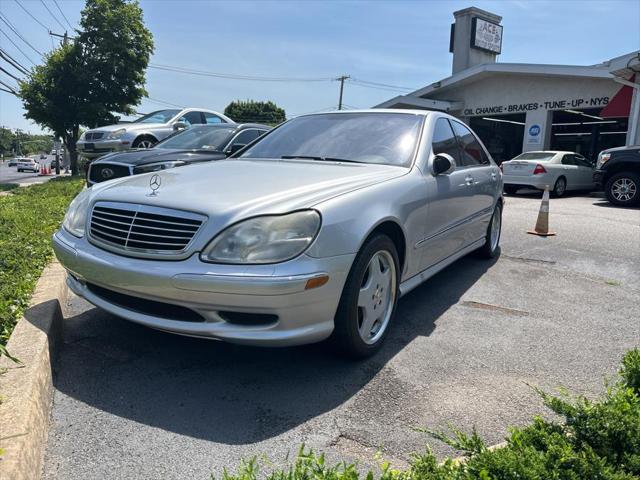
pixel 117 133
pixel 154 167
pixel 82 136
pixel 602 159
pixel 76 216
pixel 266 239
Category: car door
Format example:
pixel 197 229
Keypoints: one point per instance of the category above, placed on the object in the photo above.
pixel 450 198
pixel 585 170
pixel 485 177
pixel 570 171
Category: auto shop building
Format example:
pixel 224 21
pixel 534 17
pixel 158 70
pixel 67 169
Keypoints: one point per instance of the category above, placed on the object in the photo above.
pixel 518 107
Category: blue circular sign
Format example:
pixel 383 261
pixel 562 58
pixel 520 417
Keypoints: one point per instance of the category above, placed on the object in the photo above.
pixel 534 130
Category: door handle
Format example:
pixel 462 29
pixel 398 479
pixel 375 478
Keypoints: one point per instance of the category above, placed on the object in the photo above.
pixel 494 176
pixel 468 180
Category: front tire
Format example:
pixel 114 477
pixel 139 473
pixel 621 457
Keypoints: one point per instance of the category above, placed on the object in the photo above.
pixel 369 298
pixel 491 246
pixel 144 142
pixel 623 189
pixel 560 187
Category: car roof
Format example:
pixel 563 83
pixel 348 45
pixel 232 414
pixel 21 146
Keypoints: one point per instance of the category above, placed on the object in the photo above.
pixel 550 151
pixel 235 126
pixel 408 111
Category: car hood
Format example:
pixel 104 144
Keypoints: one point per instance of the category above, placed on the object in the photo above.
pixel 231 189
pixel 152 155
pixel 128 126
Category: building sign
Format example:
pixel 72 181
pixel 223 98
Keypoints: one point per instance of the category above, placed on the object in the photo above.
pixel 564 104
pixel 486 35
pixel 533 134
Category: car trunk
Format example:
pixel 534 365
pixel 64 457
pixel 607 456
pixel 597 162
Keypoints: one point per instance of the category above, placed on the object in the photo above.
pixel 519 168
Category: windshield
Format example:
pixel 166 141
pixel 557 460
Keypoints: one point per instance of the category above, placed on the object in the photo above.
pixel 538 156
pixel 384 138
pixel 198 138
pixel 161 116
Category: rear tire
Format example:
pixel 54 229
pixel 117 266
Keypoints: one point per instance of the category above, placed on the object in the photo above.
pixel 510 189
pixel 491 247
pixel 369 298
pixel 623 189
pixel 560 187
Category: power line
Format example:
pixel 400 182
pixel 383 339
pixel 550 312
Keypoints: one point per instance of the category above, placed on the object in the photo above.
pixel 377 84
pixel 11 90
pixel 19 49
pixel 10 25
pixel 51 13
pixel 163 102
pixel 233 76
pixel 31 15
pixel 8 58
pixel 377 88
pixel 10 74
pixel 63 15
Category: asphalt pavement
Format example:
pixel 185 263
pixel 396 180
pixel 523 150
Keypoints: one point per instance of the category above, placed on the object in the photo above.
pixel 466 347
pixel 11 175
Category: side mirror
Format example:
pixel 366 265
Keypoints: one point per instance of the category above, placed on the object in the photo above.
pixel 443 163
pixel 179 126
pixel 234 148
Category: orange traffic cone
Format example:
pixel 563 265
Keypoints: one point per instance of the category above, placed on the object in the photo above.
pixel 41 170
pixel 542 224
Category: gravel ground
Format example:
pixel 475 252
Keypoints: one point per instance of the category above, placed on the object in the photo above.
pixel 133 403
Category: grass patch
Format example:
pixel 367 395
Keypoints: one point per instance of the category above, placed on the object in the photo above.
pixel 597 440
pixel 28 218
pixel 613 283
pixel 6 187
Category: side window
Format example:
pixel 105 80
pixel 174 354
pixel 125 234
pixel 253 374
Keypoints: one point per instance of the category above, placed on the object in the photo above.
pixel 246 137
pixel 582 162
pixel 191 118
pixel 210 118
pixel 444 140
pixel 568 160
pixel 472 152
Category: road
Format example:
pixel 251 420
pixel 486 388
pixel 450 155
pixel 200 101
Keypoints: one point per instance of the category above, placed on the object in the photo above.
pixel 133 403
pixel 11 175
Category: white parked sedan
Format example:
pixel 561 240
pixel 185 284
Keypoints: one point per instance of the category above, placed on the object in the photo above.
pixel 557 170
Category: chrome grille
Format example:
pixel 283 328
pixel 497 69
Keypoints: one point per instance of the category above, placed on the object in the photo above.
pixel 93 135
pixel 143 229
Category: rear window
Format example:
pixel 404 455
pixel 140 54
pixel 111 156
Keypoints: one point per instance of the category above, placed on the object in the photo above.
pixel 538 156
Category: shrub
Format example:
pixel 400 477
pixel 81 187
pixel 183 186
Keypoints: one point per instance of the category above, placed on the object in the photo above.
pixel 597 440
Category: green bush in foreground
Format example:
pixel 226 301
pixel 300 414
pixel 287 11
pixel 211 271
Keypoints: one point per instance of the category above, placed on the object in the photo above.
pixel 598 440
pixel 28 218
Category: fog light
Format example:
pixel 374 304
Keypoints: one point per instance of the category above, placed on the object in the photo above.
pixel 316 282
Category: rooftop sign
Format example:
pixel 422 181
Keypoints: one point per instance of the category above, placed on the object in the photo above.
pixel 486 35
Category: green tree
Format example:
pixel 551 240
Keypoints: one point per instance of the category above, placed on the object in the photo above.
pixel 100 74
pixel 246 111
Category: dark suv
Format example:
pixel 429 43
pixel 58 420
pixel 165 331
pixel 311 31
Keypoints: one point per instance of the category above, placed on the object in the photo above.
pixel 618 173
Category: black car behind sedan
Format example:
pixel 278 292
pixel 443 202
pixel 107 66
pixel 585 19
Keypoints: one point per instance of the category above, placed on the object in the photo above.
pixel 201 143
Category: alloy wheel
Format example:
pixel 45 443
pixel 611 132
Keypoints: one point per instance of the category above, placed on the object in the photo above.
pixel 624 189
pixel 377 296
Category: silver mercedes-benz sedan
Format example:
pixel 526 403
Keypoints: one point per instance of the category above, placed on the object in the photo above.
pixel 313 231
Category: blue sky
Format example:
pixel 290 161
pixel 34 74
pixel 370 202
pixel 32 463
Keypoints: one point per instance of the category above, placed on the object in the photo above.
pixel 401 43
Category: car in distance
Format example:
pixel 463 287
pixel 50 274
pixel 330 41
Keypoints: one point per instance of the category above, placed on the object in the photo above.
pixel 312 232
pixel 200 143
pixel 13 162
pixel 618 173
pixel 559 171
pixel 145 131
pixel 27 164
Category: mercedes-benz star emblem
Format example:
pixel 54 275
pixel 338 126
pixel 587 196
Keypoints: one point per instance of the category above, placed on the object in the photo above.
pixel 154 182
pixel 107 173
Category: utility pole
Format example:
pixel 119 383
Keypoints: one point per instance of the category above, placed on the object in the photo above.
pixel 341 79
pixel 65 37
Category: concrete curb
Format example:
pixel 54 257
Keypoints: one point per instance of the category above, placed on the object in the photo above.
pixel 27 389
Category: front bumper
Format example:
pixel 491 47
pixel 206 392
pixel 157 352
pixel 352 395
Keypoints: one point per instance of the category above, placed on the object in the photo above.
pixel 298 316
pixel 97 148
pixel 598 178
